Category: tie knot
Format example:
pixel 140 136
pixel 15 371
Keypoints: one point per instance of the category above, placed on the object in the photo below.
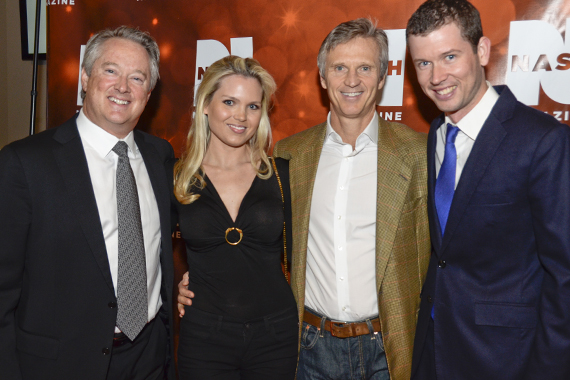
pixel 121 148
pixel 452 131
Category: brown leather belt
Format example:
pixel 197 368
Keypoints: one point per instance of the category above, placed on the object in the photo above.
pixel 119 339
pixel 342 329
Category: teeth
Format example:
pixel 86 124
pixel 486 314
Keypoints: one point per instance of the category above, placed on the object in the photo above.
pixel 118 101
pixel 446 90
pixel 352 93
pixel 237 127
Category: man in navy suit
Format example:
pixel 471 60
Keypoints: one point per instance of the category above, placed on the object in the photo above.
pixel 496 301
pixel 64 285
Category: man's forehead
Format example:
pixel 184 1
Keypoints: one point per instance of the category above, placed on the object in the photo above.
pixel 118 45
pixel 448 25
pixel 344 51
pixel 119 51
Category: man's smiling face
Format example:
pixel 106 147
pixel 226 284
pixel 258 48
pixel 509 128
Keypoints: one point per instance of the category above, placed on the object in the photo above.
pixel 352 79
pixel 449 71
pixel 119 86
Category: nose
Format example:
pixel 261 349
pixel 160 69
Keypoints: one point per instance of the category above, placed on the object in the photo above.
pixel 352 79
pixel 438 74
pixel 241 114
pixel 122 84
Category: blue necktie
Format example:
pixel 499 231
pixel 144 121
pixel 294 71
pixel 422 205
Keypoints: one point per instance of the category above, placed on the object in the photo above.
pixel 445 184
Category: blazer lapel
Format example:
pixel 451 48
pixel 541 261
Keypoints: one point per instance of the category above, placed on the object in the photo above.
pixel 302 173
pixel 156 173
pixel 72 163
pixel 159 182
pixel 393 181
pixel 487 143
pixel 434 226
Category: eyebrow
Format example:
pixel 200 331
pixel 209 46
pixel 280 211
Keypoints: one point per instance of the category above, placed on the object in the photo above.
pixel 229 97
pixel 116 65
pixel 452 51
pixel 445 53
pixel 343 63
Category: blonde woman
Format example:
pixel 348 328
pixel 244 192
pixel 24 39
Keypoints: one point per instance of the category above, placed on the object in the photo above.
pixel 243 321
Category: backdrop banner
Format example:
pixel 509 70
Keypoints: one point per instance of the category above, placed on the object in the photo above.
pixel 530 53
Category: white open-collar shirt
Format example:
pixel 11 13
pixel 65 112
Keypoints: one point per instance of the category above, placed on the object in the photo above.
pixel 469 127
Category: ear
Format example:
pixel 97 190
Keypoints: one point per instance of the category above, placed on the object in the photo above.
pixel 148 96
pixel 206 110
pixel 382 82
pixel 84 79
pixel 484 50
pixel 323 82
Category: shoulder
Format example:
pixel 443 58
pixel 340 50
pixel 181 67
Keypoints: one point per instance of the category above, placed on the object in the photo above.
pixel 521 119
pixel 35 147
pixel 405 141
pixel 162 146
pixel 299 141
pixel 281 164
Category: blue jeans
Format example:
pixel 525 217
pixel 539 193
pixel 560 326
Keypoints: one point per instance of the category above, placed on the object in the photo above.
pixel 325 357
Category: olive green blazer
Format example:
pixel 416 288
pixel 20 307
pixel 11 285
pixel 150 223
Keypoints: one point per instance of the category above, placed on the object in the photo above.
pixel 402 233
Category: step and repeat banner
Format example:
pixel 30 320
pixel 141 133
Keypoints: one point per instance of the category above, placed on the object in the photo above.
pixel 530 53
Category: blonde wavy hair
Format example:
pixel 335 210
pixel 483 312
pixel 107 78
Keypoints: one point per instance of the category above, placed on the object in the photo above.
pixel 187 171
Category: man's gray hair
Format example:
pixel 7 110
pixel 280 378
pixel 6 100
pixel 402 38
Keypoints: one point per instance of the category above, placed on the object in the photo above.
pixel 93 49
pixel 362 27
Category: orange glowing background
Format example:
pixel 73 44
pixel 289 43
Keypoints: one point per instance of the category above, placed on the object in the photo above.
pixel 286 38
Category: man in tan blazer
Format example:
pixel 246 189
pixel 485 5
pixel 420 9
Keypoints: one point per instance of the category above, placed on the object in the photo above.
pixel 357 271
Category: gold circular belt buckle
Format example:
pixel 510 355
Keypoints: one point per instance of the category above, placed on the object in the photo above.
pixel 240 235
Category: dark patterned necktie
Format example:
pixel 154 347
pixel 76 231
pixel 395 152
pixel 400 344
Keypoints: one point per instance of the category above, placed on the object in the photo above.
pixel 445 184
pixel 132 303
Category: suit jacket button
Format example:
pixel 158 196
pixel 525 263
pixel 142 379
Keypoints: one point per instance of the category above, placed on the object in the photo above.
pixel 112 305
pixel 441 264
pixel 430 300
pixel 106 351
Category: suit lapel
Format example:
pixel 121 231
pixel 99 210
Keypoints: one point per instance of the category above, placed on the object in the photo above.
pixel 157 176
pixel 302 173
pixel 393 181
pixel 487 143
pixel 72 164
pixel 159 182
pixel 435 228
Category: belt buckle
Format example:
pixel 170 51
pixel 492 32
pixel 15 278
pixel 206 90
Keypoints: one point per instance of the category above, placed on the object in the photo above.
pixel 337 325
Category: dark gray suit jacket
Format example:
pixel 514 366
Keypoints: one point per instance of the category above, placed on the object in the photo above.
pixel 57 302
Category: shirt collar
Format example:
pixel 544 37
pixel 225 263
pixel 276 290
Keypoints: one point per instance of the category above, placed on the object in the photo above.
pixel 369 135
pixel 99 139
pixel 472 123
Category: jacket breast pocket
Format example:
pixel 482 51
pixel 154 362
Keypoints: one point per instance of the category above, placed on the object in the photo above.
pixel 37 345
pixel 522 316
pixel 414 205
pixel 493 198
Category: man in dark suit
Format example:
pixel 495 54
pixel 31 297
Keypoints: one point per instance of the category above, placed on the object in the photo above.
pixel 85 248
pixel 496 301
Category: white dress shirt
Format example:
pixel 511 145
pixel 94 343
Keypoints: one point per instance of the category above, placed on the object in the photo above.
pixel 102 163
pixel 341 250
pixel 469 127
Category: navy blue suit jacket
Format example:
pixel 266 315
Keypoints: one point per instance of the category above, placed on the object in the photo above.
pixel 57 301
pixel 499 279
